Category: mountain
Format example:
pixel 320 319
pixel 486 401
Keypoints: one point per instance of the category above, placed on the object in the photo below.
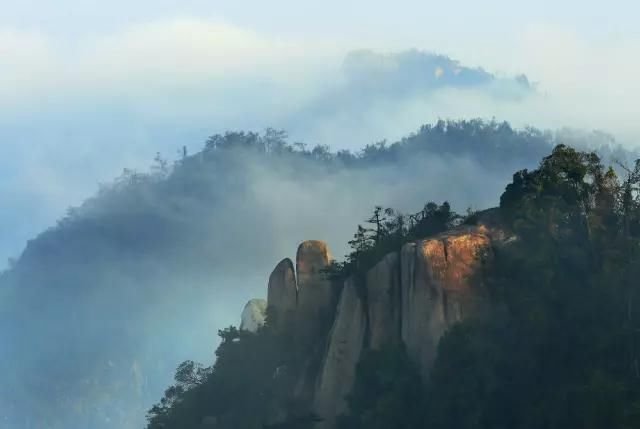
pixel 413 71
pixel 343 102
pixel 518 316
pixel 99 309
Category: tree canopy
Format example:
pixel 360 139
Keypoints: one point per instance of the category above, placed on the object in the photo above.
pixel 558 348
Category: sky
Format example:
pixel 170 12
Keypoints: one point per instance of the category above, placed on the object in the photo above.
pixel 90 87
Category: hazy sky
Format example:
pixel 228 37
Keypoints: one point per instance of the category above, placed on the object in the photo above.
pixel 89 87
pixel 404 21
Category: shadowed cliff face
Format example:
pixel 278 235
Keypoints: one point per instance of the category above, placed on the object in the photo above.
pixel 413 296
pixel 282 295
pixel 383 301
pixel 346 341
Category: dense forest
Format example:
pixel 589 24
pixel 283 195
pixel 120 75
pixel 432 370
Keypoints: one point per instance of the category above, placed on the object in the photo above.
pixel 557 348
pixel 129 284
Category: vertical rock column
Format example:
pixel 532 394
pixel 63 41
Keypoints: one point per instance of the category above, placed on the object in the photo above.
pixel 282 296
pixel 423 319
pixel 383 299
pixel 343 353
pixel 315 292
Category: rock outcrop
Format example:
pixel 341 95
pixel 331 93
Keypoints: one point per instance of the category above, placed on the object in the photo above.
pixel 423 321
pixel 316 301
pixel 282 295
pixel 383 301
pixel 343 353
pixel 411 296
pixel 254 315
pixel 462 281
pixel 438 288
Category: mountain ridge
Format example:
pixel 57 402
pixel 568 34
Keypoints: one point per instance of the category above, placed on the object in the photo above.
pixel 149 254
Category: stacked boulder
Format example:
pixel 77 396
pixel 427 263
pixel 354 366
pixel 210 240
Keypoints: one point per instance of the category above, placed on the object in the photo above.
pixel 298 300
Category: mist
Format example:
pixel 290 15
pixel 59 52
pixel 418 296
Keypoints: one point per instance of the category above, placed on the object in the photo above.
pixel 115 277
pixel 142 275
pixel 76 111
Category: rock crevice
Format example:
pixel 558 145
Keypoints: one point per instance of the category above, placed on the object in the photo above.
pixel 343 353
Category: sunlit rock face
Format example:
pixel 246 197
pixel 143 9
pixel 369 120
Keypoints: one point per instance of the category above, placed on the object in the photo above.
pixel 315 292
pixel 343 353
pixel 282 295
pixel 440 285
pixel 411 296
pixel 462 281
pixel 383 299
pixel 254 315
pixel 422 311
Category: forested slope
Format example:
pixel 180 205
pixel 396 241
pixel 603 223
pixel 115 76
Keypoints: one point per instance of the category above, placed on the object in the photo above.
pixel 99 309
pixel 554 344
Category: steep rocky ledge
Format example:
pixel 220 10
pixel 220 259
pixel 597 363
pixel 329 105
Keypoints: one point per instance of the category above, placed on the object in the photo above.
pixel 412 296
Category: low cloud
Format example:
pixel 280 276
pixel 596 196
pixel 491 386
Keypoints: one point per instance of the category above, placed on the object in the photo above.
pixel 74 113
pixel 584 82
pixel 142 60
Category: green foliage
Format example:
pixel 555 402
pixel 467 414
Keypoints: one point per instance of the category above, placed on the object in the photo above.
pixel 128 248
pixel 390 230
pixel 560 349
pixel 250 373
pixel 388 392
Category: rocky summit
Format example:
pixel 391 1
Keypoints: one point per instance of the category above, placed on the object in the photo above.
pixel 411 297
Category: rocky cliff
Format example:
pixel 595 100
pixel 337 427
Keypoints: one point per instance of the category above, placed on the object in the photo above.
pixel 440 285
pixel 383 289
pixel 412 296
pixel 345 344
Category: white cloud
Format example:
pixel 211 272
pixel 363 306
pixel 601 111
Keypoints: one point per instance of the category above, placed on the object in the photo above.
pixel 151 59
pixel 586 81
pixel 25 60
pixel 186 52
pixel 72 113
pixel 183 67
